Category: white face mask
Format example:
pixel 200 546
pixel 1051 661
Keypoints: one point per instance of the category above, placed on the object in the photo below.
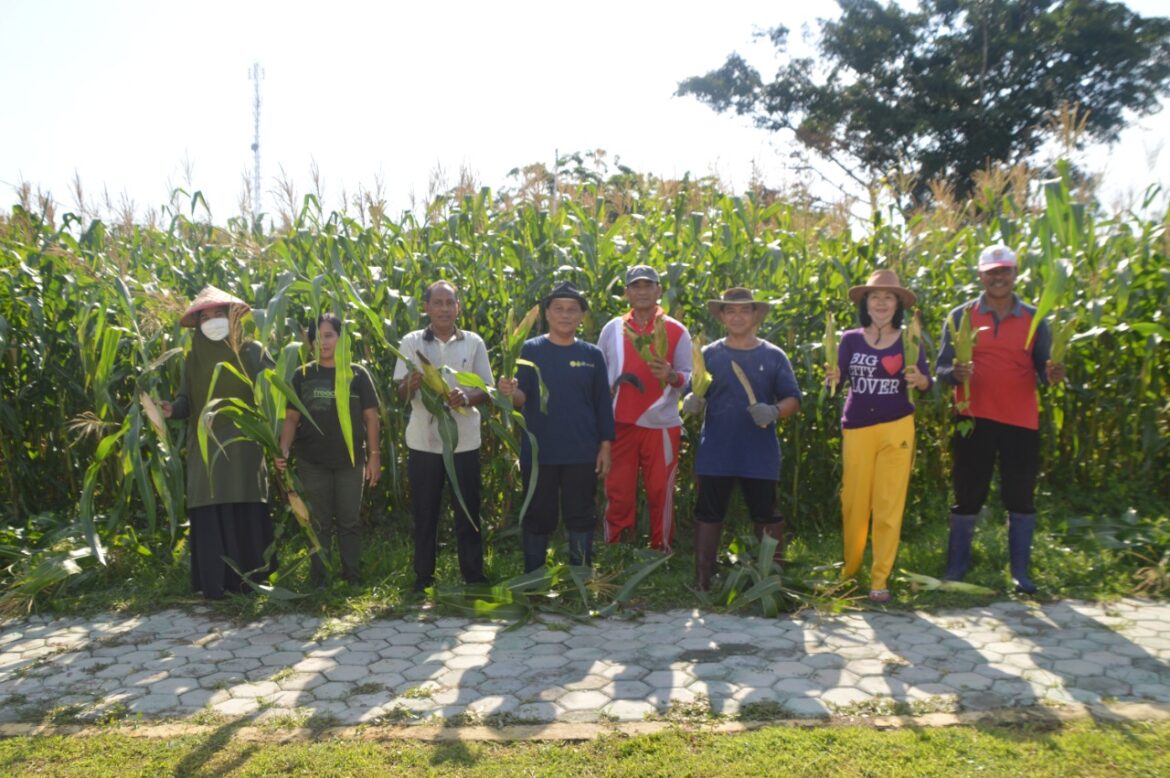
pixel 215 329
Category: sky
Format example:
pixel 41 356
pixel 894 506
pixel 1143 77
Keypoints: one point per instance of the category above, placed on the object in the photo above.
pixel 134 98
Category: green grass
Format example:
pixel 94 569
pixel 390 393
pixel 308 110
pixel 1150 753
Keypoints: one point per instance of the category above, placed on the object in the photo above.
pixel 1080 749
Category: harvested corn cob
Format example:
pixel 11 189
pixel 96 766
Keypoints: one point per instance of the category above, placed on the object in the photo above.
pixel 830 348
pixel 433 380
pixel 700 378
pixel 965 347
pixel 746 384
pixel 911 346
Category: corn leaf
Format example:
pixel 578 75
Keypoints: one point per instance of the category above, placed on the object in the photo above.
pixel 1058 274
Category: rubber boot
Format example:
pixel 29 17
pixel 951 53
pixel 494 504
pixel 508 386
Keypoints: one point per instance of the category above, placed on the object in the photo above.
pixel 959 546
pixel 774 530
pixel 707 536
pixel 1021 527
pixel 581 548
pixel 535 550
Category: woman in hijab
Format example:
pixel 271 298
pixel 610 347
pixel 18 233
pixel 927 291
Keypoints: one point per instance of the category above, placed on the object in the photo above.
pixel 226 498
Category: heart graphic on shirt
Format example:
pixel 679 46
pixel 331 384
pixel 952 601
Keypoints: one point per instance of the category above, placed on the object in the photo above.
pixel 892 364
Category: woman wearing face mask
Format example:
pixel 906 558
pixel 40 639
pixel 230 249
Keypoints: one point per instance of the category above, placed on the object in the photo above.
pixel 226 503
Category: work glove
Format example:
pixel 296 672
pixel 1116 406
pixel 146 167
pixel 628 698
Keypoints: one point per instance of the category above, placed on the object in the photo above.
pixel 764 414
pixel 693 404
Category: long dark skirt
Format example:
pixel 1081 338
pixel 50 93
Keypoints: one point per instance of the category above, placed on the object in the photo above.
pixel 240 531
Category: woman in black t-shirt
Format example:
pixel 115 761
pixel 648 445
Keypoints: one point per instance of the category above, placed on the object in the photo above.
pixel 333 482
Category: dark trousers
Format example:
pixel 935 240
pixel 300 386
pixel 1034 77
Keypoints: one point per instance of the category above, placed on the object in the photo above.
pixel 1018 452
pixel 427 477
pixel 562 490
pixel 715 494
pixel 334 495
pixel 239 531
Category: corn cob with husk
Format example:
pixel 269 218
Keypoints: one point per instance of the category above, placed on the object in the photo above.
pixel 434 381
pixel 830 348
pixel 652 345
pixel 965 347
pixel 700 378
pixel 154 416
pixel 1060 340
pixel 661 343
pixel 911 347
pixel 746 384
pixel 515 335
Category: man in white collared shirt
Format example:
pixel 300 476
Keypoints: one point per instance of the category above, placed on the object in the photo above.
pixel 442 343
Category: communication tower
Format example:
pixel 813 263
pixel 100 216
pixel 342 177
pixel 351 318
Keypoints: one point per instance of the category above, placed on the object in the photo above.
pixel 255 74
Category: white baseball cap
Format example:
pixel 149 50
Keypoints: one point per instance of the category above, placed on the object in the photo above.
pixel 997 255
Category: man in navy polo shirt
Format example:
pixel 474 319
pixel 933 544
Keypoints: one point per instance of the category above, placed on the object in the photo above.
pixel 573 434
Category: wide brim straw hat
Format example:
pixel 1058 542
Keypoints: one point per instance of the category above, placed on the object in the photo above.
pixel 210 297
pixel 885 280
pixel 738 295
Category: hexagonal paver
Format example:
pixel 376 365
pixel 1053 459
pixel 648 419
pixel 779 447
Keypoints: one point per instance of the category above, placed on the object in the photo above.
pixel 583 700
pixel 845 697
pixel 347 673
pixel 807 708
pixel 630 710
pixel 236 707
pixel 588 683
pixel 961 681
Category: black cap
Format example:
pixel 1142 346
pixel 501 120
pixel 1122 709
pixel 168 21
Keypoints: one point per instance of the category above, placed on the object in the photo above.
pixel 566 291
pixel 640 273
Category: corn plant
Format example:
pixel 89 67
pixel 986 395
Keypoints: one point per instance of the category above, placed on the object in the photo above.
pixel 89 311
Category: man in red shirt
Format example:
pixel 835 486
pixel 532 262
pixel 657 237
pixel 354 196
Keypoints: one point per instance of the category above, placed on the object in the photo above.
pixel 645 408
pixel 999 415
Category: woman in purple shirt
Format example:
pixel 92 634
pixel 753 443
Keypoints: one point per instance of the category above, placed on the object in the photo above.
pixel 877 425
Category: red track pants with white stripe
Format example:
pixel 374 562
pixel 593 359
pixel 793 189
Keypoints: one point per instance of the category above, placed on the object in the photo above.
pixel 654 452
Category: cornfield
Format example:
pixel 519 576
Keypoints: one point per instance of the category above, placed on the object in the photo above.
pixel 89 322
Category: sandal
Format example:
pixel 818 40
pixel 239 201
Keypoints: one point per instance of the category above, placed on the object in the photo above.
pixel 879 595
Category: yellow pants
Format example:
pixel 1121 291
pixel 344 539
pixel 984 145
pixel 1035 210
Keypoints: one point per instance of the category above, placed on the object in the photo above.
pixel 877 462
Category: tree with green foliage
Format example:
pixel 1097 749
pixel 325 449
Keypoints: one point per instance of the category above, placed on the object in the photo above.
pixel 945 88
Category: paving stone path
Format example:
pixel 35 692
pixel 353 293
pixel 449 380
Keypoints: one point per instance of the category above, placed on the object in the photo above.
pixel 189 666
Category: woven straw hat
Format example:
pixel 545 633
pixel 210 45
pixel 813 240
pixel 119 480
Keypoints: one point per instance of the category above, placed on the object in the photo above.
pixel 210 297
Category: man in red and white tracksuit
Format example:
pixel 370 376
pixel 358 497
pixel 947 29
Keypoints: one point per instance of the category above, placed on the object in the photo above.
pixel 645 408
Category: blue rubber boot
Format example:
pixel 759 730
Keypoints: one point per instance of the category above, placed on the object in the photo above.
pixel 1021 527
pixel 959 546
pixel 535 550
pixel 581 548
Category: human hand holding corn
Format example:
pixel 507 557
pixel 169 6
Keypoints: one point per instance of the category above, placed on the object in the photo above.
pixel 916 379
